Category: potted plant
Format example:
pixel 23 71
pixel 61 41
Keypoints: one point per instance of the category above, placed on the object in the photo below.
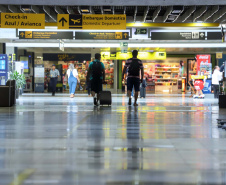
pixel 20 82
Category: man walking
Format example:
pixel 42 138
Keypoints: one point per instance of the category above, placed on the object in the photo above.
pixel 134 66
pixel 54 74
pixel 96 76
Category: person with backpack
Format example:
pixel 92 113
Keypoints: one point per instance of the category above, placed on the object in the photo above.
pixel 72 79
pixel 96 76
pixel 135 66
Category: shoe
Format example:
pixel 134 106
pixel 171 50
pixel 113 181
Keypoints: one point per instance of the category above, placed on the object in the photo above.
pixel 130 101
pixel 53 94
pixel 95 101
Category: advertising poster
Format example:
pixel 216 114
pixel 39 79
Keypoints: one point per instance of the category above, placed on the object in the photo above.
pixel 207 87
pixel 202 59
pixel 206 69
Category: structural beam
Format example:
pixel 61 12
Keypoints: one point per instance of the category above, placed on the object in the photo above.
pixel 168 11
pixel 124 10
pixel 135 14
pixel 199 13
pixel 210 13
pixel 146 11
pixel 13 9
pixel 70 10
pixel 187 14
pixel 58 10
pixel 35 9
pixel 219 14
pixel 156 13
pixel 50 13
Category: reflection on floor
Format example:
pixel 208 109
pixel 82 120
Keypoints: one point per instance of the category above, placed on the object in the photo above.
pixel 170 139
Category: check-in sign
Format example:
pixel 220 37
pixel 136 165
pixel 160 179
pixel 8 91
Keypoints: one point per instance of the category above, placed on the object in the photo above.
pixel 91 22
pixel 22 20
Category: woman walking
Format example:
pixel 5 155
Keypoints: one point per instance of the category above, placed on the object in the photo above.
pixel 216 77
pixel 72 79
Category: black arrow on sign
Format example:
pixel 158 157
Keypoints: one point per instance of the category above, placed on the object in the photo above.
pixel 62 20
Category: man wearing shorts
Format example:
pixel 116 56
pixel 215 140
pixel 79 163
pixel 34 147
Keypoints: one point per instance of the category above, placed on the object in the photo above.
pixel 96 76
pixel 135 66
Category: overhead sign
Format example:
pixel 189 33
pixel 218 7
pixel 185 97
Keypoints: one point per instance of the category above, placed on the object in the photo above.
pixel 140 31
pixel 219 55
pixel 177 35
pixel 102 35
pixel 45 35
pixel 66 57
pixel 22 20
pixel 92 21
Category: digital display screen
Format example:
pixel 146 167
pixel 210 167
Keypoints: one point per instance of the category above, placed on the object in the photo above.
pixel 25 64
pixel 2 64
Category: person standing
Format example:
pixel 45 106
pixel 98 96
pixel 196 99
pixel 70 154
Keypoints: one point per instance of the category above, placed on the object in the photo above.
pixel 96 76
pixel 216 77
pixel 135 66
pixel 54 74
pixel 73 78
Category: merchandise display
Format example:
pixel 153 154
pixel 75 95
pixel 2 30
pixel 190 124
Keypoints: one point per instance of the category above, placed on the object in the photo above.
pixel 109 73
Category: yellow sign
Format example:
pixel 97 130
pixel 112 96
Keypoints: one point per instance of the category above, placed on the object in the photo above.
pixel 219 55
pixel 91 22
pixel 196 77
pixel 141 55
pixel 22 20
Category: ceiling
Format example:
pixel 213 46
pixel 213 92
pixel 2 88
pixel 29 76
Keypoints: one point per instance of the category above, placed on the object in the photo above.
pixel 148 14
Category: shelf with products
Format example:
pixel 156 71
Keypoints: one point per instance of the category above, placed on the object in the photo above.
pixel 109 73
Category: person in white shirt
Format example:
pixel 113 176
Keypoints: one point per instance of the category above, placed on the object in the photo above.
pixel 216 77
pixel 72 79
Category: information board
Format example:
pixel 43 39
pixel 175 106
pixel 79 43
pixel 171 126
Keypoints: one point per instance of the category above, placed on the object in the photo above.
pixel 92 21
pixel 178 35
pixel 45 35
pixel 22 20
pixel 3 69
pixel 102 35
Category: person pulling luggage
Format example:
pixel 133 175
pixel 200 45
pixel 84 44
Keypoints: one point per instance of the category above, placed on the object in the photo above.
pixel 96 76
pixel 143 88
pixel 54 74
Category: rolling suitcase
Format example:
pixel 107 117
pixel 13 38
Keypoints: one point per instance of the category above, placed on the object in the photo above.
pixel 105 97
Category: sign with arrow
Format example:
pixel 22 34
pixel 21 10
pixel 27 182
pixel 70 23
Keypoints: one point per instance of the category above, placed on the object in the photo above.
pixel 92 21
pixel 140 31
pixel 102 35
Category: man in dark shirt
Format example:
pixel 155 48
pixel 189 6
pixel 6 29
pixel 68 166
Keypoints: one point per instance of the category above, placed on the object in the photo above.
pixel 135 66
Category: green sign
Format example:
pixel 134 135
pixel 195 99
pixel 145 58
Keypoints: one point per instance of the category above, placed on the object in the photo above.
pixel 124 44
pixel 141 31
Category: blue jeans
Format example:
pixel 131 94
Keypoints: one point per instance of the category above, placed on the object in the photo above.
pixel 72 85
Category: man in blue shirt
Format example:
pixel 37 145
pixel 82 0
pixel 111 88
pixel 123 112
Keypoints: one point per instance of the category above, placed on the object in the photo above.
pixel 96 75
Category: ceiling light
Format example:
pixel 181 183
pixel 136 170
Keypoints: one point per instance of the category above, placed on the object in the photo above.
pixel 25 8
pixel 177 9
pixel 107 8
pixel 85 9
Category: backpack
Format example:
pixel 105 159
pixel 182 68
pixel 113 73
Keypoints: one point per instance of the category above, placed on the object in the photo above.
pixel 134 68
pixel 96 70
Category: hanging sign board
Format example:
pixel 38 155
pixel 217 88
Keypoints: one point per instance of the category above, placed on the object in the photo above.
pixel 45 35
pixel 178 35
pixel 102 35
pixel 92 21
pixel 22 20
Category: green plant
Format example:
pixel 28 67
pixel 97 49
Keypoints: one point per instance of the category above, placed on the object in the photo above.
pixel 20 79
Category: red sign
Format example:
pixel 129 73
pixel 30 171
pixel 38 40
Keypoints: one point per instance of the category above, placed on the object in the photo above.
pixel 202 59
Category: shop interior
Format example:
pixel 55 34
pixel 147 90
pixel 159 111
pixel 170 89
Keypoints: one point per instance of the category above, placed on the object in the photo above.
pixel 162 75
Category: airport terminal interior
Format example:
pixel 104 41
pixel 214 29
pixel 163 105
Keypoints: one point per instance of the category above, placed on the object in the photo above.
pixel 175 136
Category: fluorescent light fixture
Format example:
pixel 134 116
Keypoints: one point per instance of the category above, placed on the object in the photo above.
pixel 25 8
pixel 107 8
pixel 85 9
pixel 177 9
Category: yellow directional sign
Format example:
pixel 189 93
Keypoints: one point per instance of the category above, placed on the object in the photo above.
pixel 22 20
pixel 91 22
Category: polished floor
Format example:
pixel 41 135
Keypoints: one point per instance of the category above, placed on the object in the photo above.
pixel 168 139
